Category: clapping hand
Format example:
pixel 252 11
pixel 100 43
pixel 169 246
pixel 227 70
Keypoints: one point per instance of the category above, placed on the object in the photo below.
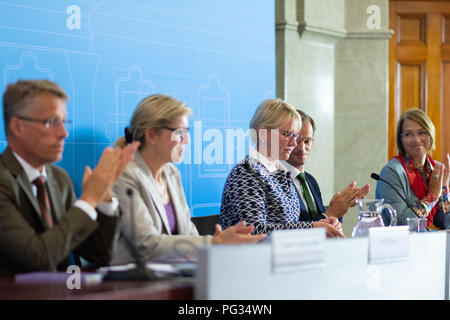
pixel 362 193
pixel 435 183
pixel 97 183
pixel 445 180
pixel 342 201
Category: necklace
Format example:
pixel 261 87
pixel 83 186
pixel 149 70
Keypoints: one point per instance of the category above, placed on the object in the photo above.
pixel 162 188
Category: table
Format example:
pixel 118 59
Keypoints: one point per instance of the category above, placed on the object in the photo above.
pixel 168 289
pixel 344 271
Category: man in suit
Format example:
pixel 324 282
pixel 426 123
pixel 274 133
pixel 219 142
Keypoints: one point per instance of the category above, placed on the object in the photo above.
pixel 41 221
pixel 308 189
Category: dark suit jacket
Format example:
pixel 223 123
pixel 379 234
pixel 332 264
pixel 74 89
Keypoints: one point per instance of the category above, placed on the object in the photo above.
pixel 26 244
pixel 315 190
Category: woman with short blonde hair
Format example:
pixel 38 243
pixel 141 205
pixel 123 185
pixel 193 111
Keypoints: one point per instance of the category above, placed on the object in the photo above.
pixel 259 189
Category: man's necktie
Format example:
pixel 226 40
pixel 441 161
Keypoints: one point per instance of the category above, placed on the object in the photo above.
pixel 44 203
pixel 307 195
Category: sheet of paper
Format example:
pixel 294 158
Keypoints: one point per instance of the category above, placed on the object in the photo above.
pixel 387 244
pixel 297 250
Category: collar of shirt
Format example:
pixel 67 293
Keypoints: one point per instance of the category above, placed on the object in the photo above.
pixel 31 172
pixel 293 170
pixel 271 165
pixel 411 165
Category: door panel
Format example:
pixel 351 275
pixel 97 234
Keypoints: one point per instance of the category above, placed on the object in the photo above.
pixel 419 66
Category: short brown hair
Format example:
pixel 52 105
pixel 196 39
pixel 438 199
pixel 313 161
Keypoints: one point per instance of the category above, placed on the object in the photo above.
pixel 17 97
pixel 306 118
pixel 420 117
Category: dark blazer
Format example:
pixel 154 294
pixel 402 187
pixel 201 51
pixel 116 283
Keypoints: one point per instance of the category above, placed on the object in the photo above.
pixel 25 242
pixel 315 190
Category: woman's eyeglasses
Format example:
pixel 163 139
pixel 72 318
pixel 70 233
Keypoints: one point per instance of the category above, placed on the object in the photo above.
pixel 410 134
pixel 180 133
pixel 290 134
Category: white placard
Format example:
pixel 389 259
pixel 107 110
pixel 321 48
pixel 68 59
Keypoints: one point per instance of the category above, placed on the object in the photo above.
pixel 388 244
pixel 297 250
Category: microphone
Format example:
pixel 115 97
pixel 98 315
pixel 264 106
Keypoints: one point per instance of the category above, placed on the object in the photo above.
pixel 378 178
pixel 140 271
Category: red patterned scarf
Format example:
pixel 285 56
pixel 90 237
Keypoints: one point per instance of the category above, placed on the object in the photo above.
pixel 418 184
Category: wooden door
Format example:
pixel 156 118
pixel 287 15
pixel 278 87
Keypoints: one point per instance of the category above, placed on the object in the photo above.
pixel 419 66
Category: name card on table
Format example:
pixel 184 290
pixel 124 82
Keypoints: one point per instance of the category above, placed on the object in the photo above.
pixel 388 244
pixel 298 250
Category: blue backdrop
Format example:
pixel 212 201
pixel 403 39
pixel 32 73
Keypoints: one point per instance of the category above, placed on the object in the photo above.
pixel 217 56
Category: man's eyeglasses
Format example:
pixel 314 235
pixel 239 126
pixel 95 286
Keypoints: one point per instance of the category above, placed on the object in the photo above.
pixel 290 134
pixel 48 123
pixel 181 133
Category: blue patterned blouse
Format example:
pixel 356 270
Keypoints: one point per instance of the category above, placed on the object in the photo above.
pixel 267 200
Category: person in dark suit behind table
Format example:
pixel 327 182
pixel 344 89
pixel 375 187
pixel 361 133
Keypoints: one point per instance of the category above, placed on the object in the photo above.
pixel 41 222
pixel 308 189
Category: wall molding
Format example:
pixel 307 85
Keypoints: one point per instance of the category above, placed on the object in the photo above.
pixel 301 27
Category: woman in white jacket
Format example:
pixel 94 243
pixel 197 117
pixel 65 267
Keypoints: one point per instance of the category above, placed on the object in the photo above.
pixel 162 223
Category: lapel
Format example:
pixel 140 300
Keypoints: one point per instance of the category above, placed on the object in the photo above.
pixel 152 190
pixel 54 195
pixel 302 205
pixel 175 196
pixel 304 214
pixel 17 171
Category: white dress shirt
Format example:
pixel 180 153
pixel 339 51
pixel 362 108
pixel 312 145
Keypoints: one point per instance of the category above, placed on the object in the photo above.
pixel 271 165
pixel 294 173
pixel 108 208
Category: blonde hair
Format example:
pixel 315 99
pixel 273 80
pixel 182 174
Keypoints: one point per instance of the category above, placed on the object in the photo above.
pixel 18 97
pixel 273 112
pixel 270 114
pixel 155 111
pixel 421 118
